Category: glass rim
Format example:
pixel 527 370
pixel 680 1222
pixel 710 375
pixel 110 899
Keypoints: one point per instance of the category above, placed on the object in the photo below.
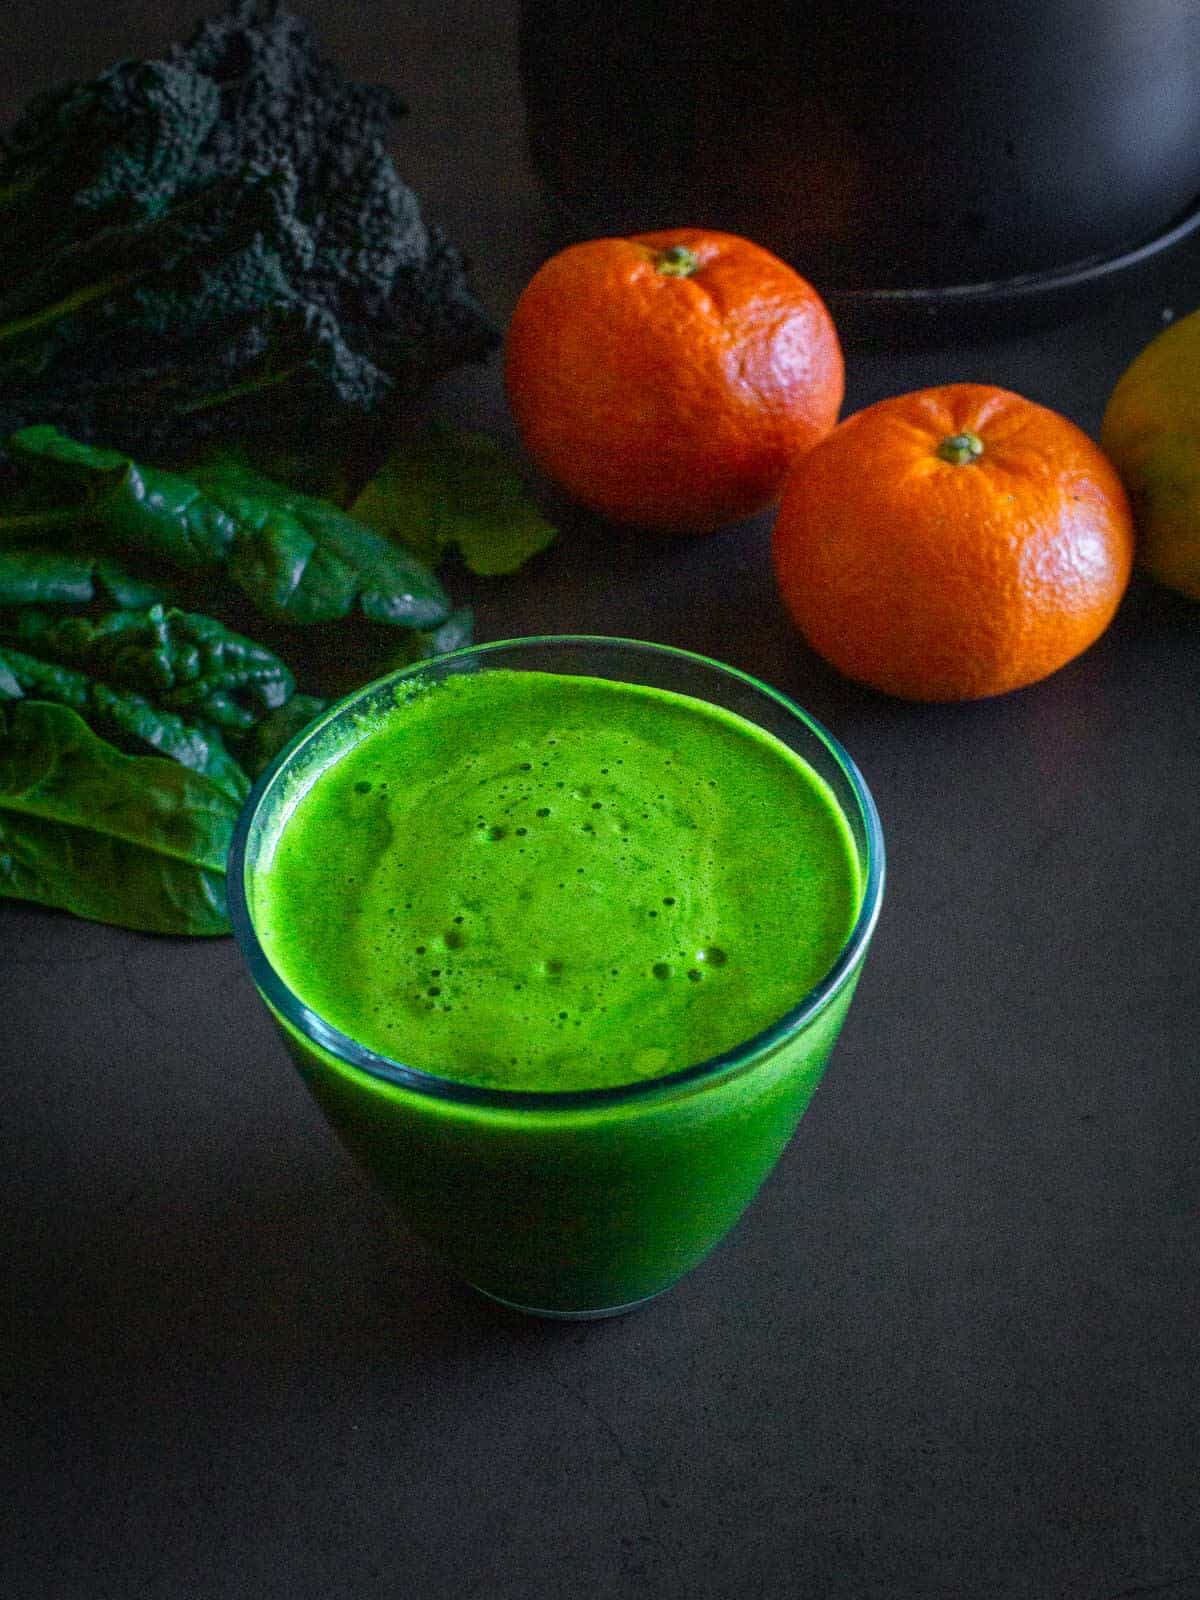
pixel 282 999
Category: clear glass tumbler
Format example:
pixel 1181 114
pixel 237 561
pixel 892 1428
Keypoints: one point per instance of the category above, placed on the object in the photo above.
pixel 573 1203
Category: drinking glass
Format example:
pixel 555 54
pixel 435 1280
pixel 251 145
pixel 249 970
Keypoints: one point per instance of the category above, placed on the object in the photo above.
pixel 567 1203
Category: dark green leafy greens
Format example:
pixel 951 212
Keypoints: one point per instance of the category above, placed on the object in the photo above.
pixel 100 657
pixel 117 680
pixel 58 577
pixel 218 243
pixel 128 720
pixel 139 841
pixel 296 557
pixel 304 560
pixel 445 490
pixel 88 495
pixel 191 664
pixel 151 679
pixel 302 567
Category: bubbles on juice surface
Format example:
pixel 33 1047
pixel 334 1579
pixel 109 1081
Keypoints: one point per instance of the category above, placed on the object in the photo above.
pixel 538 899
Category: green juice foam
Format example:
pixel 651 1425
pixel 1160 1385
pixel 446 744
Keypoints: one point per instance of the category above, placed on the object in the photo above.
pixel 543 881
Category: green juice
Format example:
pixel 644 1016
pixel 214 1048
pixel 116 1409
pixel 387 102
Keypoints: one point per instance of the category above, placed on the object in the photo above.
pixel 544 902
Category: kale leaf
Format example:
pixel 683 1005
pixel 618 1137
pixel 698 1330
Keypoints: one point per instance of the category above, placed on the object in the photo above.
pixel 218 243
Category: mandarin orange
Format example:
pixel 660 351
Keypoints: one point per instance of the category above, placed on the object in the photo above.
pixel 953 543
pixel 671 379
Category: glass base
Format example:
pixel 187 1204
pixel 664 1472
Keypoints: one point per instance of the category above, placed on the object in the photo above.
pixel 568 1316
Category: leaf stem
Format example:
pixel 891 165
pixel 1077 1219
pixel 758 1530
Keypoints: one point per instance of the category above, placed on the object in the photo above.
pixel 960 449
pixel 677 261
pixel 252 386
pixel 64 307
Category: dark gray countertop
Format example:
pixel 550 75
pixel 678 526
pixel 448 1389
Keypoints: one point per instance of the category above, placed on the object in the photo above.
pixel 952 1351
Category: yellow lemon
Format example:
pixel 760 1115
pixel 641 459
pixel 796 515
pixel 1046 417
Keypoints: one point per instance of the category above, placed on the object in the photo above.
pixel 1151 433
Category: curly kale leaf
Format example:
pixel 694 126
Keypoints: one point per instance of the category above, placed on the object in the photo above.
pixel 218 244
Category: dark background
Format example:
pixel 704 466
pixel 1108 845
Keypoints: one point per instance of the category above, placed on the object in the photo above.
pixel 951 1351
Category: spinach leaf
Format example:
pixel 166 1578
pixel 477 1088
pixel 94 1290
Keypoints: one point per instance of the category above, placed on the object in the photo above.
pixel 305 560
pixel 134 840
pixel 131 721
pixel 297 559
pixel 187 662
pixel 455 633
pixel 132 507
pixel 446 490
pixel 57 577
